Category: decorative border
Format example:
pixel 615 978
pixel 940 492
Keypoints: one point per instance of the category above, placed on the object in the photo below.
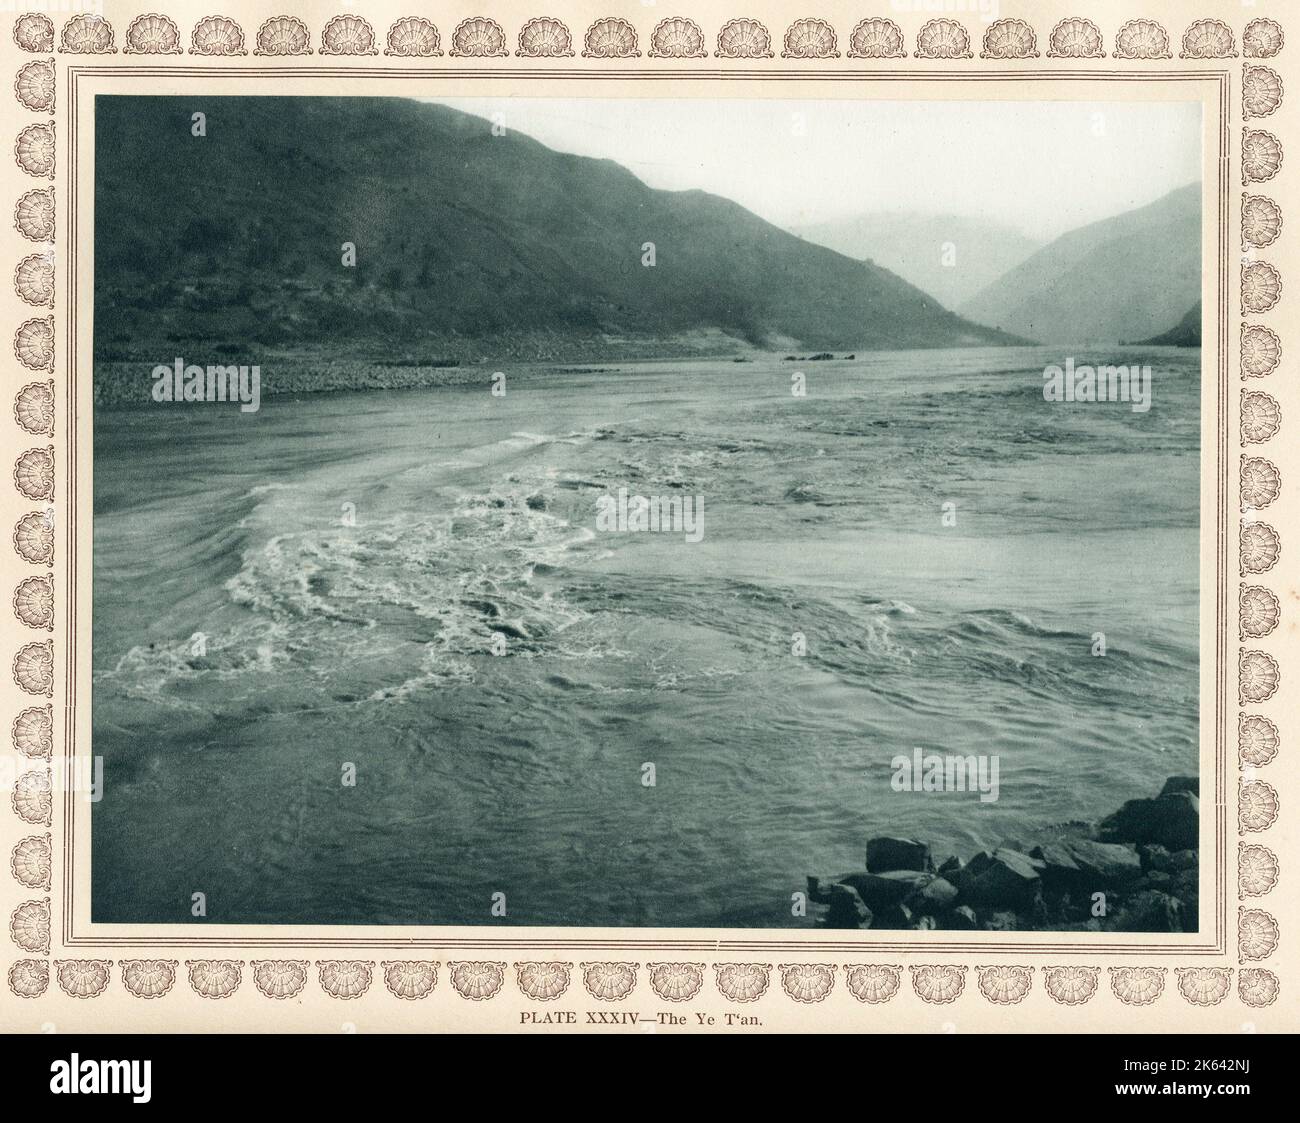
pixel 676 38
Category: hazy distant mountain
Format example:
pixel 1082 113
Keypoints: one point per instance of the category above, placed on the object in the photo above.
pixel 466 243
pixel 1127 277
pixel 1185 333
pixel 916 247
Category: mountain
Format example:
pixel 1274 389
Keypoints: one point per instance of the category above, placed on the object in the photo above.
pixel 466 244
pixel 1127 277
pixel 1185 333
pixel 916 247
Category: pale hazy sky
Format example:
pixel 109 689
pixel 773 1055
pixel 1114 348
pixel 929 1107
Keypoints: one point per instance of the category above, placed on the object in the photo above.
pixel 1043 166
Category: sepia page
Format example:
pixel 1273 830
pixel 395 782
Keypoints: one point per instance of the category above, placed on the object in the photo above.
pixel 649 520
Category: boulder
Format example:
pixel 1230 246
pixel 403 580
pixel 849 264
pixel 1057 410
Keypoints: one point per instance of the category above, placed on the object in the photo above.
pixel 961 919
pixel 925 924
pixel 894 918
pixel 934 897
pixel 1104 865
pixel 1149 911
pixel 846 909
pixel 886 854
pixel 1182 860
pixel 1154 857
pixel 1173 821
pixel 1059 869
pixel 818 893
pixel 952 864
pixel 1000 921
pixel 883 890
pixel 1007 879
pixel 1177 784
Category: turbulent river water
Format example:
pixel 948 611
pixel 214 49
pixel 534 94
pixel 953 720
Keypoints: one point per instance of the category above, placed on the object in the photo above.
pixel 281 594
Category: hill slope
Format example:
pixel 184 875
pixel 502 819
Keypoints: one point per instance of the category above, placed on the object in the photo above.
pixel 913 246
pixel 1185 333
pixel 465 242
pixel 1126 277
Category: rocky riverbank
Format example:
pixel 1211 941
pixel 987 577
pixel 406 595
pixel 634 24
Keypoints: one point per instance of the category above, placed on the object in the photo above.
pixel 1135 871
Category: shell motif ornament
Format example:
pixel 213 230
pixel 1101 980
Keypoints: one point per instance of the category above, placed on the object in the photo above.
pixel 29 978
pixel 610 38
pixel 1204 986
pixel 214 978
pixel 677 37
pixel 543 982
pixel 410 979
pixel 217 35
pixel 1071 986
pixel 82 978
pixel 34 279
pixel 34 150
pixel 807 982
pixel 1261 156
pixel 1208 38
pixel 1261 91
pixel 744 38
pixel 1261 287
pixel 1257 806
pixel 1261 483
pixel 1075 37
pixel 1262 38
pixel 29 926
pixel 344 978
pixel 34 668
pixel 413 37
pixel 873 983
pixel 876 37
pixel 1261 351
pixel 938 983
pixel 1005 985
pixel 1258 676
pixel 1258 611
pixel 810 38
pixel 285 35
pixel 33 797
pixel 30 862
pixel 609 982
pixel 34 539
pixel 544 37
pixel 34 214
pixel 1261 416
pixel 676 982
pixel 34 85
pixel 34 408
pixel 34 343
pixel 943 38
pixel 33 602
pixel 1261 221
pixel 1260 547
pixel 34 473
pixel 1257 869
pixel 87 34
pixel 348 35
pixel 1142 38
pixel 1009 38
pixel 34 32
pixel 479 37
pixel 279 978
pixel 1257 934
pixel 1257 740
pixel 742 982
pixel 148 978
pixel 33 732
pixel 152 34
pixel 1137 986
pixel 1257 987
pixel 478 980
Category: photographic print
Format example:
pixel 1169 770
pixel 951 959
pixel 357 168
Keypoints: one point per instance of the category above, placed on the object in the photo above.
pixel 656 521
pixel 608 532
